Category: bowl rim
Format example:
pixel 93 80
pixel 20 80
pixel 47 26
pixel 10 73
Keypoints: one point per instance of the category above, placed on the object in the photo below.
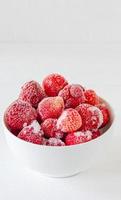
pixel 68 146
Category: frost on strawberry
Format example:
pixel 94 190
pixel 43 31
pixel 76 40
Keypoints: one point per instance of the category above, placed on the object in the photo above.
pixel 55 142
pixel 78 137
pixel 106 115
pixel 49 126
pixel 32 92
pixel 18 113
pixel 32 133
pixel 92 117
pixel 69 121
pixel 72 95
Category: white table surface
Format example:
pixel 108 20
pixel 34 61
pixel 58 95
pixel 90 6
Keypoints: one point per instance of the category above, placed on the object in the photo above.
pixel 94 65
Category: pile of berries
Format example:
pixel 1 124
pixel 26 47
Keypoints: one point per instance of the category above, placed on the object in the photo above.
pixel 56 113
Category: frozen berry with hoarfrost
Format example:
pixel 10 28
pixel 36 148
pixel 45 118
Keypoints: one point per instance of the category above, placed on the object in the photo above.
pixel 91 97
pixel 105 112
pixel 69 121
pixel 53 83
pixel 82 110
pixel 72 95
pixel 18 113
pixel 32 133
pixel 49 126
pixel 32 92
pixel 50 107
pixel 92 117
pixel 78 137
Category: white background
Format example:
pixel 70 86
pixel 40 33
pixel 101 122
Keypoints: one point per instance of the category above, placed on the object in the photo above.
pixel 82 41
pixel 60 21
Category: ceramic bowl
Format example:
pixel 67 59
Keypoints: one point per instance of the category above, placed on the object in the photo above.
pixel 60 161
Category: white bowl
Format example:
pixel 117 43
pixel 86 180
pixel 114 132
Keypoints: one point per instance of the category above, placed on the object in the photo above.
pixel 60 161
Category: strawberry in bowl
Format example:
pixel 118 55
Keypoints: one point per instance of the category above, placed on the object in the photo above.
pixel 55 127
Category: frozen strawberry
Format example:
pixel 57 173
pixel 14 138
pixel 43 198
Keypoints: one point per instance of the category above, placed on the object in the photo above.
pixel 92 117
pixel 95 119
pixel 78 137
pixel 95 134
pixel 72 95
pixel 69 121
pixel 18 113
pixel 53 83
pixel 32 92
pixel 55 142
pixel 91 97
pixel 76 90
pixel 32 133
pixel 82 110
pixel 50 107
pixel 105 112
pixel 49 126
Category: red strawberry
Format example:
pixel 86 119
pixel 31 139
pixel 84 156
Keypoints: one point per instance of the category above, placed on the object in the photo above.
pixel 50 107
pixel 105 112
pixel 72 95
pixel 32 93
pixel 69 121
pixel 18 113
pixel 49 126
pixel 32 133
pixel 78 137
pixel 92 117
pixel 53 83
pixel 91 97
